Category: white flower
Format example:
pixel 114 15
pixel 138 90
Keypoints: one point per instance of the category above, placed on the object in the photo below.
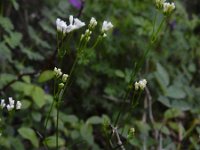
pixel 141 84
pixel 3 103
pixel 73 24
pixel 70 28
pixel 159 3
pixel 136 85
pixel 78 24
pixel 71 18
pixel 106 26
pixel 168 7
pixel 93 22
pixel 64 77
pixel 11 101
pixel 61 25
pixel 58 72
pixel 18 105
pixel 10 107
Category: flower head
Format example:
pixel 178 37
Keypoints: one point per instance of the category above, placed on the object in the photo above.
pixel 3 103
pixel 61 25
pixel 65 77
pixel 74 23
pixel 106 26
pixel 18 105
pixel 58 72
pixel 11 101
pixel 168 7
pixel 78 23
pixel 136 86
pixel 141 84
pixel 10 107
pixel 159 3
pixel 93 22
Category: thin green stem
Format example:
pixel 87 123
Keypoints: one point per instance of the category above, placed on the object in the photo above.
pixel 57 119
pixel 154 38
pixel 50 110
pixel 97 41
pixel 48 116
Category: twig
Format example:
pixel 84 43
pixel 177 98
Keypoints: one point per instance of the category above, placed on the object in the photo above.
pixel 144 116
pixel 160 142
pixel 119 142
pixel 149 98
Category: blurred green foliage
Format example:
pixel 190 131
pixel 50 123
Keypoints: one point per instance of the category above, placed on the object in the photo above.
pixel 168 114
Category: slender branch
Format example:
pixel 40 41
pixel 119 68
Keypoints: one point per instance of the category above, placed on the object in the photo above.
pixel 119 142
pixel 57 119
pixel 149 98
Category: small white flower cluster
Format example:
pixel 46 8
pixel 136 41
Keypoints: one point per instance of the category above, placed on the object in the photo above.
pixel 58 74
pixel 88 32
pixel 86 35
pixel 166 6
pixel 11 104
pixel 74 24
pixel 141 84
pixel 105 27
pixel 159 3
pixel 92 23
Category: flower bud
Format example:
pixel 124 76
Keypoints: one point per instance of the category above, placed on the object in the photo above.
pixel 64 77
pixel 93 22
pixel 61 86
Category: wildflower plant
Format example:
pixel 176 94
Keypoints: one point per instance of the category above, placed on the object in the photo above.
pixel 138 87
pixel 62 80
pixel 11 106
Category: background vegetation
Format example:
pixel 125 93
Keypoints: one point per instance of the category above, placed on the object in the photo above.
pixel 168 114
